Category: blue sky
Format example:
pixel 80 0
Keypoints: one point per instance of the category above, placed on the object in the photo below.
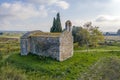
pixel 38 14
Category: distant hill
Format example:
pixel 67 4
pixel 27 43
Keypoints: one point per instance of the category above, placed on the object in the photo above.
pixel 11 34
pixel 13 31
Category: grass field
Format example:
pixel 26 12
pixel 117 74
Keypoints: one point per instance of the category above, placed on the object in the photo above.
pixel 48 68
pixel 82 66
pixel 114 46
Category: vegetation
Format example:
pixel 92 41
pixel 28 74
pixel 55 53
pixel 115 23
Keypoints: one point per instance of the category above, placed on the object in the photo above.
pixel 47 67
pixel 11 34
pixel 75 30
pixel 82 37
pixel 82 65
pixel 115 46
pixel 95 37
pixel 118 32
pixel 56 24
pixel 8 72
pixel 1 33
pixel 89 36
pixel 105 69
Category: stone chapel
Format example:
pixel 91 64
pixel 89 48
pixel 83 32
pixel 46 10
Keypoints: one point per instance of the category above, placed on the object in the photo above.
pixel 55 45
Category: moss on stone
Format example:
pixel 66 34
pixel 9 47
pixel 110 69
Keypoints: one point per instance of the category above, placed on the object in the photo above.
pixel 46 34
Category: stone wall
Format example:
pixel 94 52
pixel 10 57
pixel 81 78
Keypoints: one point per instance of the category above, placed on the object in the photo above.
pixel 45 46
pixel 59 47
pixel 66 45
pixel 56 45
pixel 25 46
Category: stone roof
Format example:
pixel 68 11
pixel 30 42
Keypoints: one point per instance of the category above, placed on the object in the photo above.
pixel 40 33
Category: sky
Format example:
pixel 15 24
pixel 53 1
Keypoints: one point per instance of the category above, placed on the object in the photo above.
pixel 27 15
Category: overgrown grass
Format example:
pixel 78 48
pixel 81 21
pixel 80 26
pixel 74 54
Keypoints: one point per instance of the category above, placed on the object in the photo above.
pixel 104 47
pixel 32 67
pixel 10 36
pixel 8 72
pixel 107 68
pixel 49 68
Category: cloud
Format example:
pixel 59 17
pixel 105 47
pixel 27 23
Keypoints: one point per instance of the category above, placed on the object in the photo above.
pixel 24 15
pixel 42 1
pixel 107 18
pixel 17 13
pixel 60 3
pixel 53 11
pixel 21 11
pixel 107 22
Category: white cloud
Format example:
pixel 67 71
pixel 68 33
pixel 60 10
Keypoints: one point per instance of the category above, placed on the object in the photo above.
pixel 107 18
pixel 115 1
pixel 21 11
pixel 78 22
pixel 53 11
pixel 62 4
pixel 107 22
pixel 14 14
pixel 29 8
pixel 42 11
pixel 43 1
pixel 20 15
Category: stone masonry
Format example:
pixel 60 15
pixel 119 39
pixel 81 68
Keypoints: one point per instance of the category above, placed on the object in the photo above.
pixel 56 45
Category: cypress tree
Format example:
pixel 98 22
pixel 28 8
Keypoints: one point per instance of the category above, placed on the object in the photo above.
pixel 56 24
pixel 53 26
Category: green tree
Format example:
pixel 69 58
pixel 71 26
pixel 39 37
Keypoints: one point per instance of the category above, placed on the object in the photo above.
pixel 83 37
pixel 75 31
pixel 53 26
pixel 56 24
pixel 118 32
pixel 89 36
pixel 95 37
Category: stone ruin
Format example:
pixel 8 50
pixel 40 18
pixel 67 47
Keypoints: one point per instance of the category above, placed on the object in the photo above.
pixel 55 45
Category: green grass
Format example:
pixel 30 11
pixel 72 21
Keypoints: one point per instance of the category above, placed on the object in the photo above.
pixel 107 68
pixel 10 36
pixel 8 72
pixel 32 67
pixel 113 46
pixel 106 48
pixel 49 68
pixel 100 48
